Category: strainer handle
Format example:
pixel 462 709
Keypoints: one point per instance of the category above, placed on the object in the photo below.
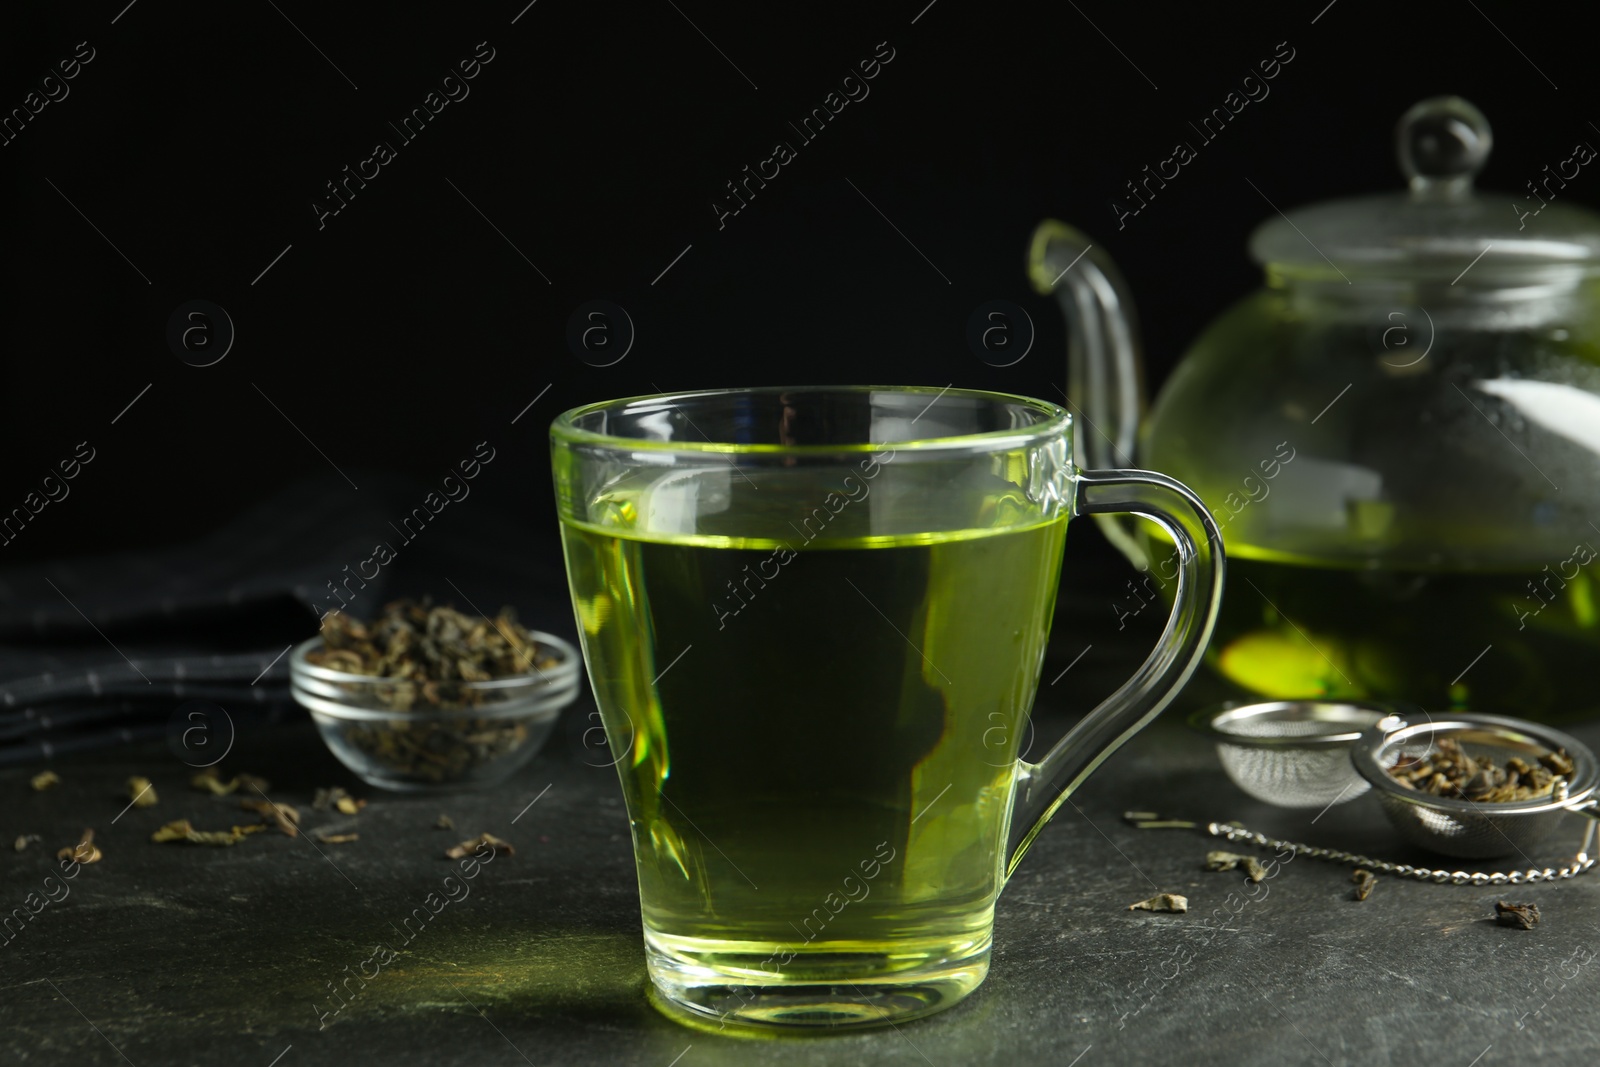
pixel 1196 565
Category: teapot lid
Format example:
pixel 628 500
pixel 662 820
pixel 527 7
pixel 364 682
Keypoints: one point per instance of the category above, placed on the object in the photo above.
pixel 1441 225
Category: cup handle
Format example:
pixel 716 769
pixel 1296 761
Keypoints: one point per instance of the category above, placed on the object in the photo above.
pixel 1041 788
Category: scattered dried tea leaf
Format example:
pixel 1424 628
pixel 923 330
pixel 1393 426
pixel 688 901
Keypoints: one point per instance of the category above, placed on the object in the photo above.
pixel 85 851
pixel 336 798
pixel 209 780
pixel 501 847
pixel 445 823
pixel 1449 771
pixel 45 780
pixel 181 830
pixel 1162 902
pixel 1364 881
pixel 24 840
pixel 141 792
pixel 283 816
pixel 334 839
pixel 1150 820
pixel 1519 916
pixel 1227 861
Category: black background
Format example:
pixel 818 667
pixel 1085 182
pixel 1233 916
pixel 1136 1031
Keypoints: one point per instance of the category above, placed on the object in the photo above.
pixel 408 329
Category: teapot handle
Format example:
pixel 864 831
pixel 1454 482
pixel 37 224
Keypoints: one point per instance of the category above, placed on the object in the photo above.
pixel 1105 369
pixel 1041 788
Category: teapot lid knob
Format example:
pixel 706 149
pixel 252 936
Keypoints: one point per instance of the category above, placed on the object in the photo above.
pixel 1442 142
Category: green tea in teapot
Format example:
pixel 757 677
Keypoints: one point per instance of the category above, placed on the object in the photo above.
pixel 1479 640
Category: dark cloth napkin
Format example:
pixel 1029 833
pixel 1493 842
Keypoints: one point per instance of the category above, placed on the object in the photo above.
pixel 109 649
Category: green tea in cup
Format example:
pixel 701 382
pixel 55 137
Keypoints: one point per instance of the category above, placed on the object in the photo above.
pixel 814 621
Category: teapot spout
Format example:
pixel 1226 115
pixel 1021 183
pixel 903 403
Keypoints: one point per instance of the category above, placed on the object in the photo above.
pixel 1105 367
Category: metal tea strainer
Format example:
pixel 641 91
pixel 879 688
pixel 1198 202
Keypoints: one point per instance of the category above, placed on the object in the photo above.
pixel 1283 752
pixel 1476 829
pixel 1294 753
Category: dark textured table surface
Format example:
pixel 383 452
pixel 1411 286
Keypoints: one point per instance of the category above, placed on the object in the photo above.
pixel 173 954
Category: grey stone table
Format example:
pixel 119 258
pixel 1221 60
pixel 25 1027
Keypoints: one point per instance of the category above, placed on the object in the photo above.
pixel 174 954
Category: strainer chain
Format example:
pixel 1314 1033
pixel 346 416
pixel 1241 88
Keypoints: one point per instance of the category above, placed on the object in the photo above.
pixel 1235 832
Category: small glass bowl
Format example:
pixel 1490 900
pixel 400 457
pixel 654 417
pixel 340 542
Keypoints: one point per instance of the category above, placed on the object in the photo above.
pixel 435 736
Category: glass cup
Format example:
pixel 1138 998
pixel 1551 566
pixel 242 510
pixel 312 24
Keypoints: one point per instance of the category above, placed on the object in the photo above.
pixel 814 620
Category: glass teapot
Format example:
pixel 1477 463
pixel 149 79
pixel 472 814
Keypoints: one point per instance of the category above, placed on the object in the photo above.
pixel 1399 435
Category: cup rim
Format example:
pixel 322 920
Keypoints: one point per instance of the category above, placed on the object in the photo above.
pixel 1057 421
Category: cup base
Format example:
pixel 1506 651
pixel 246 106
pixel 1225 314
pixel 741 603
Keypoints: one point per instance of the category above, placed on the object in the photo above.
pixel 732 985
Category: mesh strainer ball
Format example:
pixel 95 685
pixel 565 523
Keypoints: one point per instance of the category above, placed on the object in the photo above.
pixel 1474 829
pixel 1293 753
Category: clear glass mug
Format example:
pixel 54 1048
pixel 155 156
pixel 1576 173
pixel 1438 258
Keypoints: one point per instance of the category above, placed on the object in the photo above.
pixel 814 620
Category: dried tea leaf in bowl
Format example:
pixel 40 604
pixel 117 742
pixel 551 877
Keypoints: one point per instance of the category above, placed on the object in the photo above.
pixel 422 642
